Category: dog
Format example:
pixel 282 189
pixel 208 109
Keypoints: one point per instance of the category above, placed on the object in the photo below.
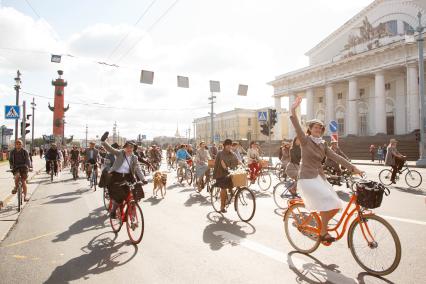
pixel 160 181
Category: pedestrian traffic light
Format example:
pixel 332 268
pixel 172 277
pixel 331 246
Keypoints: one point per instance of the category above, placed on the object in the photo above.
pixel 265 129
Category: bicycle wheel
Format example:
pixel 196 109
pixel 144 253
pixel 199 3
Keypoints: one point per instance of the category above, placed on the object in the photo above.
pixel 281 194
pixel 375 245
pixel 413 178
pixel 118 222
pixel 302 228
pixel 385 177
pixel 106 198
pixel 52 169
pixel 19 192
pixel 188 176
pixel 215 198
pixel 245 204
pixel 264 180
pixel 180 175
pixel 74 173
pixel 282 176
pixel 134 222
pixel 278 168
pixel 95 180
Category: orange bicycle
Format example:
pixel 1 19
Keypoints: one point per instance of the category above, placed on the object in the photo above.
pixel 372 241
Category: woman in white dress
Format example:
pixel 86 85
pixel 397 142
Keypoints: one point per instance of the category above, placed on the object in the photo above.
pixel 317 194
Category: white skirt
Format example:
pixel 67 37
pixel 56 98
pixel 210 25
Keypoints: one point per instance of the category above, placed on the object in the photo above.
pixel 318 195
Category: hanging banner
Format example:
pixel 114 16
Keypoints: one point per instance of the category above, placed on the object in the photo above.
pixel 182 82
pixel 214 86
pixel 147 77
pixel 56 58
pixel 242 90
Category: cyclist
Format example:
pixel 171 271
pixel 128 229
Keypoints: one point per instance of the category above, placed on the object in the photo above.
pixel 317 194
pixel 124 169
pixel 52 155
pixel 331 163
pixel 181 156
pixel 213 151
pixel 253 159
pixel 91 156
pixel 20 163
pixel 201 164
pixel 74 157
pixel 394 159
pixel 225 160
pixel 237 153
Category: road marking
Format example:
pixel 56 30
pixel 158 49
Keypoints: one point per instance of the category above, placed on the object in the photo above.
pixel 305 267
pixel 20 256
pixel 403 220
pixel 29 240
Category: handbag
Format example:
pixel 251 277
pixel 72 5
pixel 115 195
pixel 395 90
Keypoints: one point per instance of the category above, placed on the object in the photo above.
pixel 370 194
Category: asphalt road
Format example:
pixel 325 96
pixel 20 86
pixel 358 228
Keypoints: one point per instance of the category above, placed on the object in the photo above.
pixel 63 235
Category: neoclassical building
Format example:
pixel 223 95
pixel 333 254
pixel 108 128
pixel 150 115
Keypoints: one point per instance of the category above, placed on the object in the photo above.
pixel 364 75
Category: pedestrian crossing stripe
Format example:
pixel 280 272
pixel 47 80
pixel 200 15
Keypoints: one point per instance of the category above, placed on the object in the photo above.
pixel 12 112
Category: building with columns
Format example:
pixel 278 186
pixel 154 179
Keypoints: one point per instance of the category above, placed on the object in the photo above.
pixel 364 75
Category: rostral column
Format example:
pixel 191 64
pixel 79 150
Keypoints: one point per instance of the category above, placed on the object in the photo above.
pixel 58 109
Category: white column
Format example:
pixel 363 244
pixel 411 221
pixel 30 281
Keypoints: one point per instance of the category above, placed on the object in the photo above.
pixel 330 114
pixel 380 102
pixel 291 131
pixel 352 114
pixel 278 127
pixel 413 105
pixel 310 104
pixel 400 106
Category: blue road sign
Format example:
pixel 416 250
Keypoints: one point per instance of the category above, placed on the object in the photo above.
pixel 143 137
pixel 8 132
pixel 333 126
pixel 12 112
pixel 217 138
pixel 262 116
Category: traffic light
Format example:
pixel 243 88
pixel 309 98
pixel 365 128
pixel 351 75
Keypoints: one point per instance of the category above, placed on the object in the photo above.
pixel 265 129
pixel 24 128
pixel 272 117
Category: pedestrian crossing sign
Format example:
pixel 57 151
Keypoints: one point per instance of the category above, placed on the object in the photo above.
pixel 12 112
pixel 262 116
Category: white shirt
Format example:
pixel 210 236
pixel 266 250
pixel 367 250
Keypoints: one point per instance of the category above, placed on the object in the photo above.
pixel 124 169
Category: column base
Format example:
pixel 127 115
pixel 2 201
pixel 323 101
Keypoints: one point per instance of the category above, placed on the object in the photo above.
pixel 421 163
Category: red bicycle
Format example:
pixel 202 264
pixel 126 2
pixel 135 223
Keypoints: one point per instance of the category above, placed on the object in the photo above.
pixel 129 212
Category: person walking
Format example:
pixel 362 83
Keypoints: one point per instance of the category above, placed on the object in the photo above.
pixel 385 151
pixel 318 195
pixel 372 152
pixel 380 154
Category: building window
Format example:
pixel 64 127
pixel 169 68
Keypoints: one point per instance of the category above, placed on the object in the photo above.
pixel 341 126
pixel 249 121
pixel 339 96
pixel 387 86
pixel 392 27
pixel 320 100
pixel 408 30
pixel 361 93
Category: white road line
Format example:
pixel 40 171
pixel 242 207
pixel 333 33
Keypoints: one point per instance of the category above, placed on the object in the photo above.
pixel 403 220
pixel 315 270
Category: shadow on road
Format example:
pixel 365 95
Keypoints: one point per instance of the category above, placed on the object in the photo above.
pixel 195 198
pixel 365 277
pixel 308 269
pixel 153 200
pixel 95 220
pixel 66 194
pixel 61 200
pixel 414 191
pixel 101 255
pixel 222 231
pixel 261 194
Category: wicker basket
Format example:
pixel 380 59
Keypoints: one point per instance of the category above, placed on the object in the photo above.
pixel 239 180
pixel 264 163
pixel 211 164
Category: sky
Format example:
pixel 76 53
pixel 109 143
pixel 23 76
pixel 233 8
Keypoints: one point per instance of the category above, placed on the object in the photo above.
pixel 231 41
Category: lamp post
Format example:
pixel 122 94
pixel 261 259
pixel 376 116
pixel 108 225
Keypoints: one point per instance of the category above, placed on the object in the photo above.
pixel 212 102
pixel 420 41
pixel 33 105
pixel 17 87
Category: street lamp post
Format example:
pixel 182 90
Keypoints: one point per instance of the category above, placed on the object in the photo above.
pixel 17 87
pixel 420 41
pixel 33 105
pixel 212 102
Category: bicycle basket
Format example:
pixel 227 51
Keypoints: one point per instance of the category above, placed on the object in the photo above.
pixel 138 192
pixel 370 194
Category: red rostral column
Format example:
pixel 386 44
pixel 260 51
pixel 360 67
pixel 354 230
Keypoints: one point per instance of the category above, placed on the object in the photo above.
pixel 58 109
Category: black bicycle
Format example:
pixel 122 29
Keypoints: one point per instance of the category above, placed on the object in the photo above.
pixel 244 201
pixel 412 177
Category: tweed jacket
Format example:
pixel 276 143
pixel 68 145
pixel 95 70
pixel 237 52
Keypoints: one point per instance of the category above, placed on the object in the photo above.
pixel 390 156
pixel 313 154
pixel 120 159
pixel 95 154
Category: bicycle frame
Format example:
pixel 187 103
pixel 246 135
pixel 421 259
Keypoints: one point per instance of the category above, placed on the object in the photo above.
pixel 344 220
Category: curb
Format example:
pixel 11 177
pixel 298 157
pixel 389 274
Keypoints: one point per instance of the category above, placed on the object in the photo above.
pixel 383 165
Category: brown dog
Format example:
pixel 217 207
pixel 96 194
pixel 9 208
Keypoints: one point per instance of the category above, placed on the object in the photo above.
pixel 160 181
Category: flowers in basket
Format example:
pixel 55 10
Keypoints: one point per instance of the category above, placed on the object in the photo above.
pixel 238 171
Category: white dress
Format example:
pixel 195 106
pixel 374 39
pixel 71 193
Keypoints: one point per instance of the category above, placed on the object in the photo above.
pixel 318 194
